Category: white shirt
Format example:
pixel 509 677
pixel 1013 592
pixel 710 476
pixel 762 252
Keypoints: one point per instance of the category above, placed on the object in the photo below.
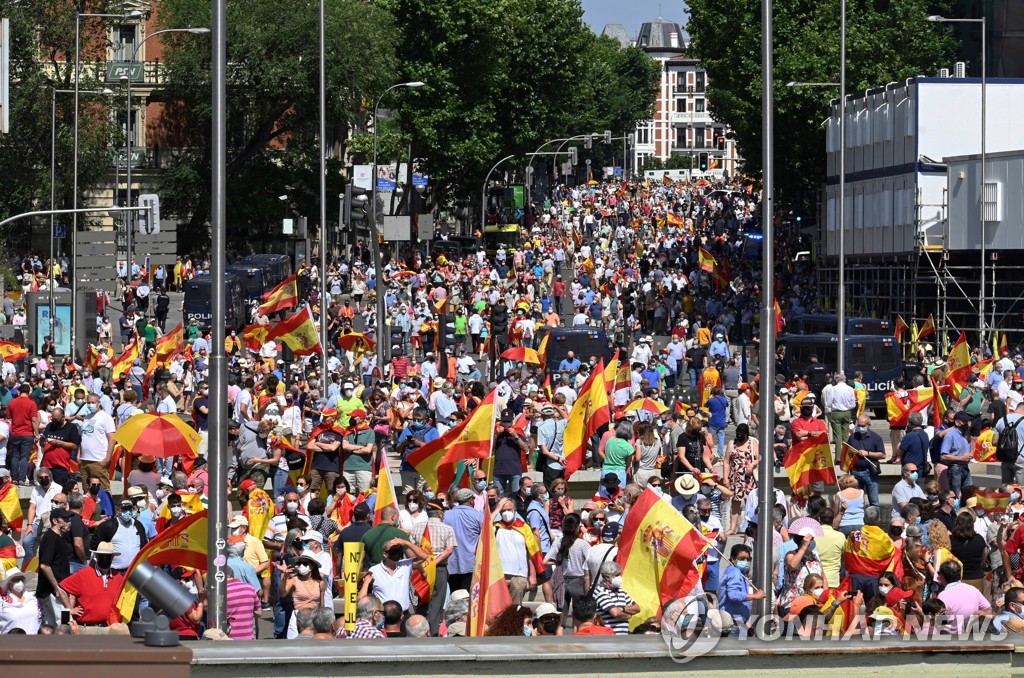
pixel 126 542
pixel 841 397
pixel 41 500
pixel 167 406
pixel 388 585
pixel 95 430
pixel 512 551
pixel 596 555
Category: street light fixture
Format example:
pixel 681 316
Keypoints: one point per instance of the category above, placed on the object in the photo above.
pixel 798 83
pixel 128 139
pixel 935 18
pixel 374 234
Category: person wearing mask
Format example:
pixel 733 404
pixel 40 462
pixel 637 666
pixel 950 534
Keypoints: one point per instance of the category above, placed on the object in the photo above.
pixel 325 444
pixel 360 449
pixel 304 582
pixel 97 444
pixel 442 543
pixel 1011 619
pixel 1012 471
pixel 906 489
pixel 718 406
pixel 381 534
pixel 518 550
pixel 736 592
pixel 509 446
pixel 93 590
pixel 125 532
pixel 416 434
pixel 54 566
pixel 615 606
pixel 956 453
pixel 389 580
pixel 551 440
pixel 870 452
pixel 19 609
pixel 913 449
pixel 60 440
pixel 466 522
pixel 23 414
pixel 39 504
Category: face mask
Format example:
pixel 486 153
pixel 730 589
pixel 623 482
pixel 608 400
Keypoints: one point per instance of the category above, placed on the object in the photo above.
pixel 817 592
pixel 779 439
pixel 18 587
pixel 492 503
pixel 301 488
pixel 160 494
pixel 418 425
pixel 956 505
pixel 543 497
pixel 743 565
pixel 44 482
pixel 126 517
pixel 559 492
pixel 104 562
pixel 550 626
pixel 508 516
pixel 617 582
pixel 177 511
pixel 884 590
pixel 584 515
pixel 1014 496
pixel 706 489
pixel 413 507
pixel 347 393
pixel 862 430
pixel 981 513
pixel 94 489
pixel 79 402
pixel 913 476
pixel 429 494
pixel 91 408
pixel 191 488
pixel 292 506
pixel 656 488
pixel 527 630
pixel 140 504
pixel 263 436
pixel 303 569
pixel 481 485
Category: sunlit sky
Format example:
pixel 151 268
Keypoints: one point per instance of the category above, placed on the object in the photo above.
pixel 631 14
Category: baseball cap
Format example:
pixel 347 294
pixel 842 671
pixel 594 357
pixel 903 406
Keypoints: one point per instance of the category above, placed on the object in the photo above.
pixel 239 521
pixel 312 535
pixel 361 510
pixel 610 532
pixel 247 485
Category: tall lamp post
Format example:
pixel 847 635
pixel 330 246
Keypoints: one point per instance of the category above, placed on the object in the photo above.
pixel 53 179
pixel 375 235
pixel 129 130
pixel 981 196
pixel 483 193
pixel 322 133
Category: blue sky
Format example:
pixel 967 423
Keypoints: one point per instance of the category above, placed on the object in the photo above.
pixel 631 14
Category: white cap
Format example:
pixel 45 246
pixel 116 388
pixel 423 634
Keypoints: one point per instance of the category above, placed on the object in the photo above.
pixel 348 385
pixel 312 535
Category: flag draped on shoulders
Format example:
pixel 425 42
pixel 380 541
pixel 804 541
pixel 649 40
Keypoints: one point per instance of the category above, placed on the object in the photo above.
pixel 810 461
pixel 488 591
pixel 869 551
pixel 657 550
pixel 259 509
pixel 589 413
pixel 10 505
pixel 533 551
pixel 438 459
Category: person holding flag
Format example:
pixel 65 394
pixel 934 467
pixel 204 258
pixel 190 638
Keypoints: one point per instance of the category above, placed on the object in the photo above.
pixel 870 452
pixel 518 549
pixel 442 541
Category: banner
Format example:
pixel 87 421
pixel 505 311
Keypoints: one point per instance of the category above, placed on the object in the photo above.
pixel 353 565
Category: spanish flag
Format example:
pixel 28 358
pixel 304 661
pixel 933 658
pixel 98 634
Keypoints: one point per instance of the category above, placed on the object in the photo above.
pixel 810 461
pixel 982 447
pixel 386 494
pixel 255 336
pixel 869 551
pixel 610 370
pixel 961 377
pixel 533 551
pixel 170 345
pixel 959 355
pixel 589 413
pixel 707 262
pixel 259 509
pixel 720 278
pixel 862 399
pixel 489 594
pixel 1003 348
pixel 940 403
pixel 845 613
pixel 437 460
pixel 12 351
pixel 847 459
pixel 124 362
pixel 926 329
pixel 657 548
pixel 183 544
pixel 993 502
pixel 423 582
pixel 917 399
pixel 92 358
pixel 10 505
pixel 298 332
pixel 901 327
pixel 441 306
pixel 542 350
pixel 673 220
pixel 282 297
pixel 192 502
pixel 780 322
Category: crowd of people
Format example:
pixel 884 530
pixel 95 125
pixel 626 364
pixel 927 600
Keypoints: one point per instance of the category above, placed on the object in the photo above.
pixel 671 273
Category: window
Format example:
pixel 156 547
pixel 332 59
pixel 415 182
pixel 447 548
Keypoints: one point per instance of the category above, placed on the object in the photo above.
pixel 643 135
pixel 681 138
pixel 992 205
pixel 698 141
pixel 122 122
pixel 701 78
pixel 680 105
pixel 698 105
pixel 125 41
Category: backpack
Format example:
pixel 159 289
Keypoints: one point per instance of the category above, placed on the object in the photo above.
pixel 1008 446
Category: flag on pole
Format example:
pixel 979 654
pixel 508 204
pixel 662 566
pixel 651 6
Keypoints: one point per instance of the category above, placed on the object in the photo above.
pixel 609 371
pixel 488 592
pixel 847 458
pixel 810 461
pixel 298 332
pixel 673 220
pixel 386 494
pixel 438 459
pixel 927 328
pixel 255 336
pixel 122 363
pixel 441 307
pixel 657 547
pixel 170 345
pixel 706 261
pixel 182 544
pixel 423 582
pixel 780 323
pixel 901 327
pixel 284 296
pixel 940 403
pixel 10 505
pixel 542 349
pixel 12 351
pixel 959 355
pixel 589 413
pixel 993 502
pixel 962 377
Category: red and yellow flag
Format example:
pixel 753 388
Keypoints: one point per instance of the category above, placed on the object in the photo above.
pixel 255 336
pixel 780 323
pixel 533 551
pixel 441 306
pixel 810 461
pixel 10 505
pixel 386 494
pixel 961 377
pixel 423 582
pixel 122 363
pixel 1003 347
pixel 673 220
pixel 898 411
pixel 298 332
pixel 862 399
pixel 869 551
pixel 183 544
pixel 542 350
pixel 192 502
pixel 939 410
pixel 12 351
pixel 92 358
pixel 926 329
pixel 657 548
pixel 489 594
pixel 959 355
pixel 589 413
pixel 993 502
pixel 284 296
pixel 610 371
pixel 706 261
pixel 901 327
pixel 438 459
pixel 847 459
pixel 170 345
pixel 259 509
pixel 982 447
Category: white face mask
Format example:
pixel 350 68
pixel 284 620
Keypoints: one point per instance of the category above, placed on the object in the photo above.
pixel 18 587
pixel 176 511
pixel 413 507
pixel 191 588
pixel 508 516
pixel 617 582
pixel 584 515
pixel 160 493
pixel 292 506
pixel 303 569
pixel 884 589
pixel 817 592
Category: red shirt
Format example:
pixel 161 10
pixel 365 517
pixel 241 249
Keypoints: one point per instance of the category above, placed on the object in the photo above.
pixel 22 410
pixel 558 288
pixel 594 631
pixel 96 597
pixel 814 425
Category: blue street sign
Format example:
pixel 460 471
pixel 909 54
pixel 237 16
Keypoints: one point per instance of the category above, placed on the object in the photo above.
pixel 60 231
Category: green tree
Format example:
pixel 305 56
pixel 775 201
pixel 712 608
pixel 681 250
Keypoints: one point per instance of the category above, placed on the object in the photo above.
pixel 273 107
pixel 42 33
pixel 887 41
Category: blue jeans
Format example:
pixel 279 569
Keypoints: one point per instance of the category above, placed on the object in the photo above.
pixel 959 476
pixel 18 450
pixel 868 482
pixel 165 466
pixel 280 615
pixel 711 582
pixel 718 433
pixel 28 542
pixel 508 484
pixel 280 481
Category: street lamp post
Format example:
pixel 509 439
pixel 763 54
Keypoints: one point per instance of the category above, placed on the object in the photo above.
pixel 74 181
pixel 53 180
pixel 984 175
pixel 324 306
pixel 129 130
pixel 483 193
pixel 374 234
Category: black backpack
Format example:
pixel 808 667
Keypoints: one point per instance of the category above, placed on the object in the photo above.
pixel 1008 446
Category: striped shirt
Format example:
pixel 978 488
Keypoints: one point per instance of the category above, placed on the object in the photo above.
pixel 607 599
pixel 242 607
pixel 441 536
pixel 576 560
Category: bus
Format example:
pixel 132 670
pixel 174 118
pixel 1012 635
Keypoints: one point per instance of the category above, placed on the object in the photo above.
pixel 197 303
pixel 877 358
pixel 254 281
pixel 824 323
pixel 279 265
pixel 500 236
pixel 582 341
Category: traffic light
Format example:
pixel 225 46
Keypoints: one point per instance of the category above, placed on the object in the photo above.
pixel 357 205
pixel 702 161
pixel 396 338
pixel 445 331
pixel 573 155
pixel 588 142
pixel 607 136
pixel 720 142
pixel 631 137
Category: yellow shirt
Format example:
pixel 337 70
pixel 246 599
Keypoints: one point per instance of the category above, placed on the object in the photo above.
pixel 830 553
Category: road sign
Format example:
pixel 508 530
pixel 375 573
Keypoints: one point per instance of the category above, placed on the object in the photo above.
pixel 149 221
pixel 60 231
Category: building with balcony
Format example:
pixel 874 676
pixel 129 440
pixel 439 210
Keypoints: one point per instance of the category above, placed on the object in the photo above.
pixel 682 122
